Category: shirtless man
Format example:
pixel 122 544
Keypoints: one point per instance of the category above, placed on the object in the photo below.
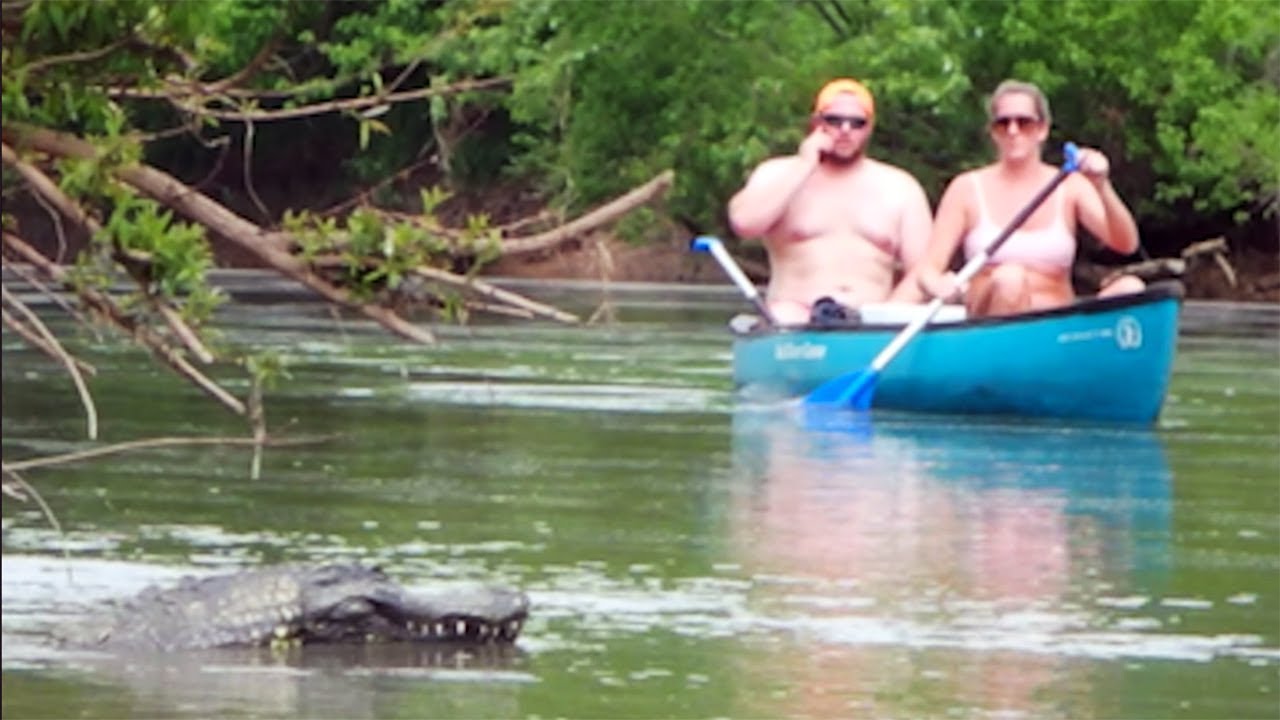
pixel 835 222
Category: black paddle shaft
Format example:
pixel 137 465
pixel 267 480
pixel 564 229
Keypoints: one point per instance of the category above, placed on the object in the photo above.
pixel 1025 213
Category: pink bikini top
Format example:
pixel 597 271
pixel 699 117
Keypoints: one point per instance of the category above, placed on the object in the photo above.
pixel 1050 248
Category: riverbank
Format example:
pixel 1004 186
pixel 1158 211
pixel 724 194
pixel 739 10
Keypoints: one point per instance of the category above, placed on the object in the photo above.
pixel 1250 275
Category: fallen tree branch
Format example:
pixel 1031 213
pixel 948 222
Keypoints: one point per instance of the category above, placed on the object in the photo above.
pixel 42 186
pixel 196 206
pixel 1159 268
pixel 528 308
pixel 33 338
pixel 24 272
pixel 92 453
pixel 603 215
pixel 491 292
pixel 107 307
pixel 355 103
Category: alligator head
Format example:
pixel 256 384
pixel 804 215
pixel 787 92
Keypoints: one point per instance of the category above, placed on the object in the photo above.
pixel 305 604
pixel 342 605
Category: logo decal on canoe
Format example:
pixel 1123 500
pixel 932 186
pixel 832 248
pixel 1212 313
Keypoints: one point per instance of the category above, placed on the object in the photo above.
pixel 1127 334
pixel 799 351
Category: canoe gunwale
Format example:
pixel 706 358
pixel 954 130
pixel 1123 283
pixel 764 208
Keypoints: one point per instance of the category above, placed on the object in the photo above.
pixel 1162 290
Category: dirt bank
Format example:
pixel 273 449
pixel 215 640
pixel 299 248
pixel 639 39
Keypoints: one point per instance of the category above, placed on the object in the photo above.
pixel 1257 274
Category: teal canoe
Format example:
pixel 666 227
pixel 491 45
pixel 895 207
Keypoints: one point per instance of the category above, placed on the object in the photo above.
pixel 1104 359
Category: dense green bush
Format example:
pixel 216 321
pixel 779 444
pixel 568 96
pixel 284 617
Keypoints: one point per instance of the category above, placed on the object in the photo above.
pixel 1184 96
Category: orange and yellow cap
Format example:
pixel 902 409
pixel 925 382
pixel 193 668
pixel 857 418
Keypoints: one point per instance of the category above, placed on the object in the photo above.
pixel 845 85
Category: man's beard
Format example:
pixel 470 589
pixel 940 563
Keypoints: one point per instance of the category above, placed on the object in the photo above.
pixel 841 160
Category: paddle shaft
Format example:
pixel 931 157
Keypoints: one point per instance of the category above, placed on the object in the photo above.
pixel 972 267
pixel 709 244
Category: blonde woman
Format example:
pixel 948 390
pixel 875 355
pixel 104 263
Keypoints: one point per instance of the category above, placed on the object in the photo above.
pixel 1032 270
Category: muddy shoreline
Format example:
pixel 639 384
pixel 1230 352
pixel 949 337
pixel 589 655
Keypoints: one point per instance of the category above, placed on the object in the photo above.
pixel 605 258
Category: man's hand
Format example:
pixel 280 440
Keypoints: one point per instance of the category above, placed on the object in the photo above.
pixel 813 146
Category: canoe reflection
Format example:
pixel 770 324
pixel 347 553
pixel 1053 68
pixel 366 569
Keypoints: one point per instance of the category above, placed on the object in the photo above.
pixel 980 543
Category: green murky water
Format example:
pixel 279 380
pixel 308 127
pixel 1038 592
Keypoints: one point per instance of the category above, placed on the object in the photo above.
pixel 688 553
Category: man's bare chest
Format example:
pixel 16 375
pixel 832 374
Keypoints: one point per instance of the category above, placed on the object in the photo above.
pixel 860 207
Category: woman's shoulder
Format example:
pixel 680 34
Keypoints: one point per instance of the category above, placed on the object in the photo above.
pixel 966 179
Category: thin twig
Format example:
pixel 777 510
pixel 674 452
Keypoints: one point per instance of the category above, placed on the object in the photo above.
pixel 23 271
pixel 44 506
pixel 356 103
pixel 33 337
pixel 484 289
pixel 368 192
pixel 56 217
pixel 247 167
pixel 84 56
pixel 91 453
pixel 90 411
pixel 144 335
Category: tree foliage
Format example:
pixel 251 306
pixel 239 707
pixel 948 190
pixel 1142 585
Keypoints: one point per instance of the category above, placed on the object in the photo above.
pixel 604 95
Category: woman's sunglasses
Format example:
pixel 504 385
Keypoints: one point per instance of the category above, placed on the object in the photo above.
pixel 839 121
pixel 1024 122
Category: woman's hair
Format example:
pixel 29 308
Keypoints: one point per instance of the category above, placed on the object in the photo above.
pixel 1024 88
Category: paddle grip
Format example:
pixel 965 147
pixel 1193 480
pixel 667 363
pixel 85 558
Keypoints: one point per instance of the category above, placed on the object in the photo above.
pixel 712 245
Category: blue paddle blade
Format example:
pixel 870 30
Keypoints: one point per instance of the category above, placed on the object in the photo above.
pixel 854 390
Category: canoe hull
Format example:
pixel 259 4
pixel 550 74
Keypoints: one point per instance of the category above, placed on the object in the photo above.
pixel 1105 360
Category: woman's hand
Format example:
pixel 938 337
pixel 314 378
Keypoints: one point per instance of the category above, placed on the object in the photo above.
pixel 942 285
pixel 1094 165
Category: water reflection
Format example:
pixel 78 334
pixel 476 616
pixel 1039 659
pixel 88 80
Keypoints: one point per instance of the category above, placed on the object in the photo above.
pixel 991 554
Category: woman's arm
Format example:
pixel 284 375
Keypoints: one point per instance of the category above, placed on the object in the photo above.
pixel 1100 209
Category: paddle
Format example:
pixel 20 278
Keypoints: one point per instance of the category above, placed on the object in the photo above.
pixel 712 245
pixel 857 388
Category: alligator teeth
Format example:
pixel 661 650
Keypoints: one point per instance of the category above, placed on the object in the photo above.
pixel 512 629
pixel 437 630
pixel 461 628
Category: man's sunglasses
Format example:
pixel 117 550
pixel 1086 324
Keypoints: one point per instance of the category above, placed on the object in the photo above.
pixel 1006 122
pixel 839 121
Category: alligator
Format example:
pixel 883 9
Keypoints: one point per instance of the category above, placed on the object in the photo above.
pixel 302 603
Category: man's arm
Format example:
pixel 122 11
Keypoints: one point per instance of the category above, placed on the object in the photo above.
pixel 914 229
pixel 760 205
pixel 949 227
pixel 771 188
